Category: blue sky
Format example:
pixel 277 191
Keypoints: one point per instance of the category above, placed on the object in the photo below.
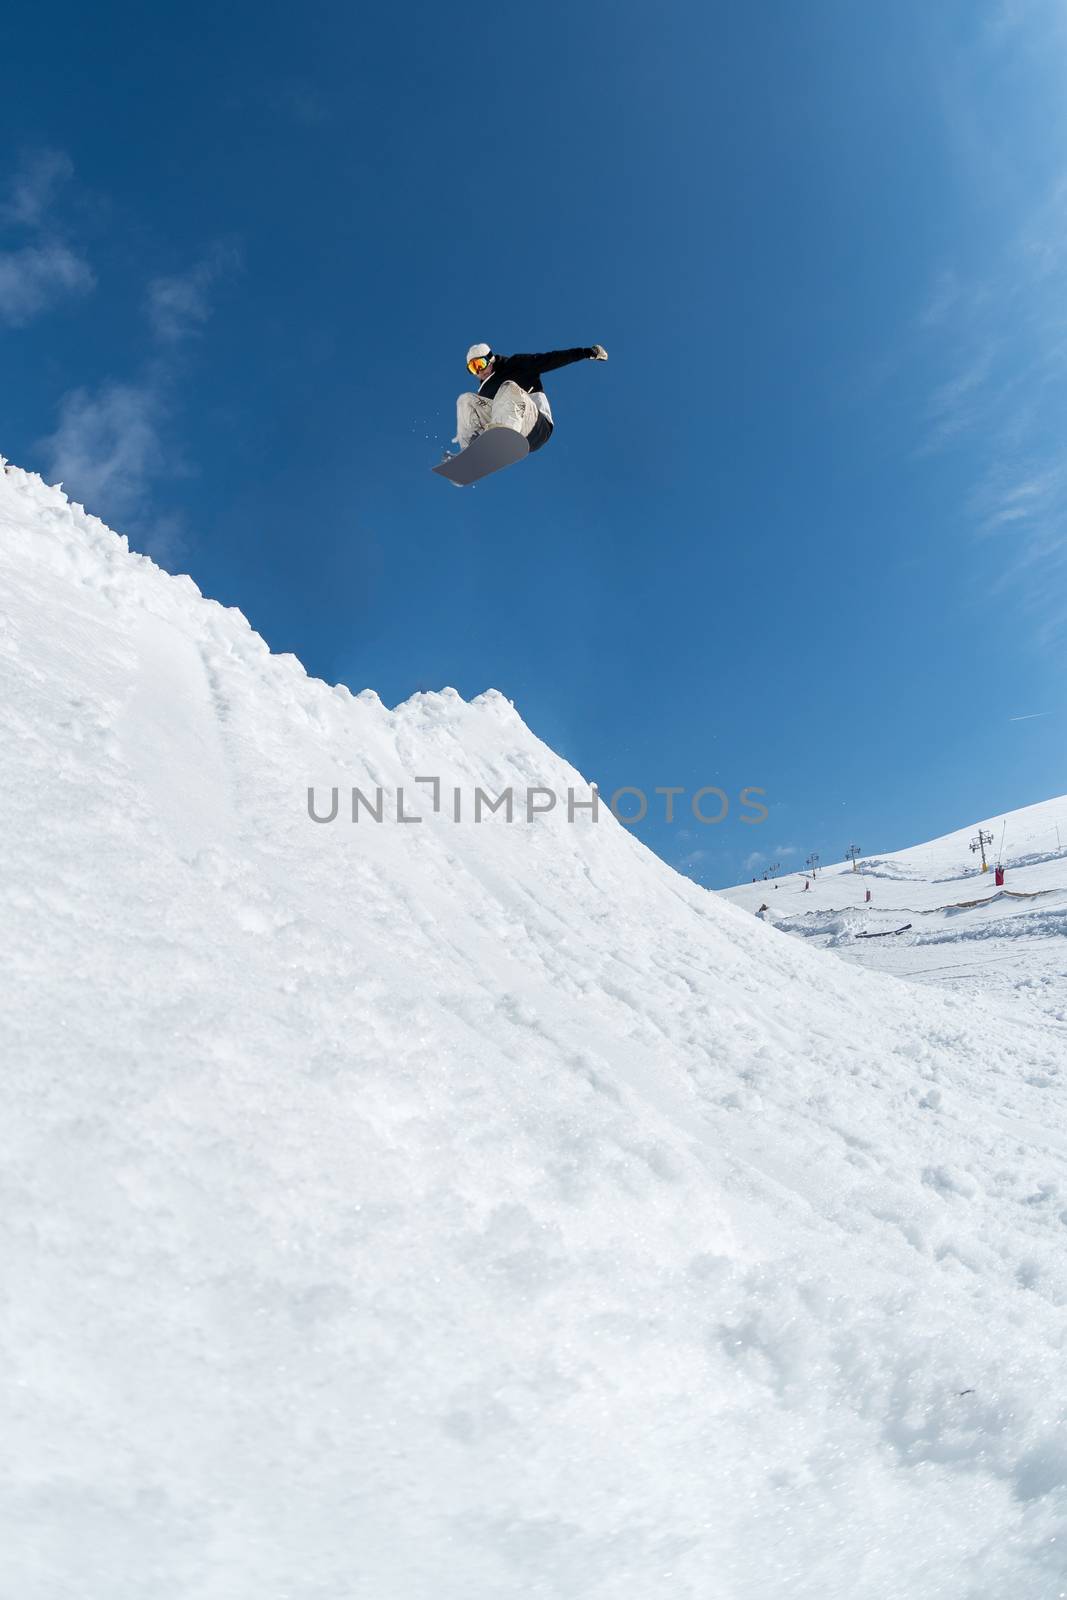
pixel 805 530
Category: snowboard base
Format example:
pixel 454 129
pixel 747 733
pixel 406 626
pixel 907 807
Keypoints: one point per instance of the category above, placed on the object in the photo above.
pixel 486 453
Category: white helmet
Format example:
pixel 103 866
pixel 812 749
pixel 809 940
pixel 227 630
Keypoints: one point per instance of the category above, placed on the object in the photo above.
pixel 480 354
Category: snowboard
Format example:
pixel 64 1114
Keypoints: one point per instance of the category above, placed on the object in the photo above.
pixel 486 453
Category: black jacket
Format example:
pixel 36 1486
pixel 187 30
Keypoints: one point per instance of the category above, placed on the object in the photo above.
pixel 526 370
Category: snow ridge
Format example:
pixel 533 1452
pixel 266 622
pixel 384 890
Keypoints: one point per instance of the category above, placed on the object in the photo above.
pixel 451 1209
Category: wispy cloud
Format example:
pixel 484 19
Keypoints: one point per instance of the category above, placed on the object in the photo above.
pixel 164 539
pixel 43 269
pixel 298 100
pixel 998 332
pixel 1007 17
pixel 111 450
pixel 114 444
pixel 1030 716
pixel 180 305
pixel 107 449
pixel 959 402
pixel 33 188
pixel 35 277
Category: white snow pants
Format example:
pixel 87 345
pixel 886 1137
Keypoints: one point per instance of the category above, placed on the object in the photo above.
pixel 510 407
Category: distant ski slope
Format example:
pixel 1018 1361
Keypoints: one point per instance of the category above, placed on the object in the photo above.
pixel 451 1210
pixel 959 929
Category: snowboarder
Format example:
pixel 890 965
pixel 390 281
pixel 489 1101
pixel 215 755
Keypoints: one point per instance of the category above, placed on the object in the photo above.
pixel 510 393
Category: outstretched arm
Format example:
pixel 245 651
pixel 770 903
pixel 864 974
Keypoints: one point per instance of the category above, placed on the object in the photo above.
pixel 549 360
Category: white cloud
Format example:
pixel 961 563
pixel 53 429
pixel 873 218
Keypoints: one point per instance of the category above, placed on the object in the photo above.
pixel 107 449
pixel 942 299
pixel 1008 17
pixel 37 274
pixel 960 401
pixel 164 539
pixel 108 446
pixel 179 306
pixel 1002 340
pixel 33 187
pixel 1026 494
pixel 36 277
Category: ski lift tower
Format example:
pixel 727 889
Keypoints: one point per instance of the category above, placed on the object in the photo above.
pixel 853 852
pixel 979 843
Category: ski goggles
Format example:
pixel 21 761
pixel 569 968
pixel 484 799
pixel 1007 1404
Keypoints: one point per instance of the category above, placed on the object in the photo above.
pixel 477 364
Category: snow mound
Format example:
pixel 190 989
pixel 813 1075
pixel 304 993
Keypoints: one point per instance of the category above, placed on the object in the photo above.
pixel 960 930
pixel 443 1209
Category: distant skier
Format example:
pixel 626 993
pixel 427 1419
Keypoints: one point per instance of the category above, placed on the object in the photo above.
pixel 510 393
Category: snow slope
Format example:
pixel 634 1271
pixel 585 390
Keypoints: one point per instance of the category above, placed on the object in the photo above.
pixel 442 1210
pixel 936 917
